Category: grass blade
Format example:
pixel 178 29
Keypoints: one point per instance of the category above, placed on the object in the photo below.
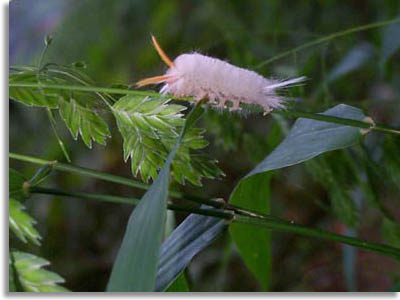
pixel 189 238
pixel 135 267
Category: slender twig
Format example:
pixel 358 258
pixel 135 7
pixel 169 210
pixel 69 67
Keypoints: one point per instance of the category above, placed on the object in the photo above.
pixel 53 127
pixel 337 120
pixel 307 115
pixel 110 178
pixel 326 39
pixel 317 233
pixel 82 88
pixel 219 213
pixel 270 223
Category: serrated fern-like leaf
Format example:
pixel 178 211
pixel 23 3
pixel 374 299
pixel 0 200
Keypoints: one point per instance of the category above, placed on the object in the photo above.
pixel 31 275
pixel 22 224
pixel 31 97
pixel 83 121
pixel 77 111
pixel 149 127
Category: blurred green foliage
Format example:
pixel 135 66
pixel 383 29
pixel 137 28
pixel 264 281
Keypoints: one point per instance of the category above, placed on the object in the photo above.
pixel 358 188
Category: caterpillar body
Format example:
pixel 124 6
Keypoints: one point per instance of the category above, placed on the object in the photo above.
pixel 199 76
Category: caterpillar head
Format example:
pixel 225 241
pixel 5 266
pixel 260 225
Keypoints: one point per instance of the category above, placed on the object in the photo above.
pixel 169 77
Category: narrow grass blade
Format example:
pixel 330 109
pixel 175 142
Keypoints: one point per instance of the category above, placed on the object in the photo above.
pixel 135 267
pixel 189 238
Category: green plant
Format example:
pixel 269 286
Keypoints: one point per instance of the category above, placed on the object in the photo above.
pixel 163 144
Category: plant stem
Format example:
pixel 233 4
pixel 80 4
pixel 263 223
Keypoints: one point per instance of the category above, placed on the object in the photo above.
pixel 132 201
pixel 53 127
pixel 82 88
pixel 307 115
pixel 270 223
pixel 109 177
pixel 317 233
pixel 333 119
pixel 326 39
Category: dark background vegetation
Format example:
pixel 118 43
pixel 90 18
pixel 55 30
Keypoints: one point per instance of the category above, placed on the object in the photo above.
pixel 81 237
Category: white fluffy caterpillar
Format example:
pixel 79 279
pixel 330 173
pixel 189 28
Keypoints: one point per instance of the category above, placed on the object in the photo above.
pixel 200 76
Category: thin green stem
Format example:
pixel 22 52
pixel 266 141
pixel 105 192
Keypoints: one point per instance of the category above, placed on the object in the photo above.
pixel 317 233
pixel 110 178
pixel 270 223
pixel 81 88
pixel 46 47
pixel 90 196
pixel 337 120
pixel 326 39
pixel 82 82
pixel 80 170
pixel 307 115
pixel 132 201
pixel 53 127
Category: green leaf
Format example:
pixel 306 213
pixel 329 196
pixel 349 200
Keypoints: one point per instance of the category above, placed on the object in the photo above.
pixel 22 224
pixel 149 127
pixel 306 139
pixel 309 138
pixel 135 267
pixel 31 97
pixel 79 113
pixel 17 189
pixel 193 235
pixel 32 277
pixel 180 285
pixel 84 121
pixel 253 243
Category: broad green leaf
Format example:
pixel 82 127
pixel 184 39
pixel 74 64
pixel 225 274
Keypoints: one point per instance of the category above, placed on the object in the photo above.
pixel 309 138
pixel 149 127
pixel 22 224
pixel 179 285
pixel 32 277
pixel 306 139
pixel 194 234
pixel 253 243
pixel 135 267
pixel 17 189
pixel 84 121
